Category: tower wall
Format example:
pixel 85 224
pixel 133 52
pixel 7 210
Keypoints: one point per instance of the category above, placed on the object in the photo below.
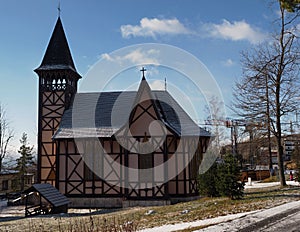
pixel 56 90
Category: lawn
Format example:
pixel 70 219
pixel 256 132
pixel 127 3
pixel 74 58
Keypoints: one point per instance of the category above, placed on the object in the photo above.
pixel 136 218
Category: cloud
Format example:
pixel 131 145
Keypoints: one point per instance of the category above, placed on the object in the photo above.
pixel 153 27
pixel 236 31
pixel 228 62
pixel 137 56
pixel 157 85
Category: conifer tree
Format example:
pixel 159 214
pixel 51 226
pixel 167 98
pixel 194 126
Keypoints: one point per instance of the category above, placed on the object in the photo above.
pixel 207 182
pixel 229 178
pixel 25 160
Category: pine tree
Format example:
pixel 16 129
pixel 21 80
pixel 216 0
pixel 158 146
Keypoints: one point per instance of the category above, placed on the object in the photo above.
pixel 25 160
pixel 207 182
pixel 229 178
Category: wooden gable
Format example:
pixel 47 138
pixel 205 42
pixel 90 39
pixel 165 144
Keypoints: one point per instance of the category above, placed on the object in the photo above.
pixel 146 117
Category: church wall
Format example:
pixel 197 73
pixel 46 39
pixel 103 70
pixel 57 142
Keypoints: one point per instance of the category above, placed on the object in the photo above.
pixel 76 176
pixel 74 183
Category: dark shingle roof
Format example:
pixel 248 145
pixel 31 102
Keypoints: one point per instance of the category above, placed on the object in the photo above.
pixel 50 193
pixel 57 55
pixel 107 123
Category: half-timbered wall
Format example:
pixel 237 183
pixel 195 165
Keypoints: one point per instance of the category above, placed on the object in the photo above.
pixel 85 172
pixel 77 179
pixel 55 93
pixel 80 167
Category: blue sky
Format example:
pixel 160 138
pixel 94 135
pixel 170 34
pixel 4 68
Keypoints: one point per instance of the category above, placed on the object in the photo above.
pixel 215 32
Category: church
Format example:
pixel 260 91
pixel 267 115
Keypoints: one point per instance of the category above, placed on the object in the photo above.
pixel 148 155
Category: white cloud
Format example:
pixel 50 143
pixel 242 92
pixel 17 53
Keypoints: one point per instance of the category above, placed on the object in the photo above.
pixel 228 62
pixel 137 56
pixel 157 85
pixel 153 27
pixel 237 30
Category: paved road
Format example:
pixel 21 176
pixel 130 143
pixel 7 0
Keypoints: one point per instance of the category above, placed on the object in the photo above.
pixel 288 220
pixel 281 218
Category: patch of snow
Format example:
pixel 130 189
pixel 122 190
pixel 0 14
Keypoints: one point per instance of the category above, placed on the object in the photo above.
pixel 257 184
pixel 185 225
pixel 150 212
pixel 185 211
pixel 251 218
pixel 231 222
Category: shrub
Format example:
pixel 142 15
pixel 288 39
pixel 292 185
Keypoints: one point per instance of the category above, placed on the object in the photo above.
pixel 222 179
pixel 207 182
pixel 229 178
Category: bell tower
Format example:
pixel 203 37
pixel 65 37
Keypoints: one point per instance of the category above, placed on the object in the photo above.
pixel 58 80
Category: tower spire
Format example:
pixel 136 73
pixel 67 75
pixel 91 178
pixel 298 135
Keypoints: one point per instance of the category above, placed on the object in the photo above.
pixel 58 55
pixel 58 8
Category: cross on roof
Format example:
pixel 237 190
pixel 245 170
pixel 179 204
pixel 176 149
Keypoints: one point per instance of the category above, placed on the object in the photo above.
pixel 143 70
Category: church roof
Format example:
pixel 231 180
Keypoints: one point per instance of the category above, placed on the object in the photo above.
pixel 105 105
pixel 57 55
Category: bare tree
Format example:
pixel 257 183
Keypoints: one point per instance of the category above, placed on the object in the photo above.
pixel 216 120
pixel 6 135
pixel 252 97
pixel 268 90
pixel 215 123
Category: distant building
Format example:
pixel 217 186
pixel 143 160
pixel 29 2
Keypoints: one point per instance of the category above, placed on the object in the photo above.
pixel 289 144
pixel 11 182
pixel 257 152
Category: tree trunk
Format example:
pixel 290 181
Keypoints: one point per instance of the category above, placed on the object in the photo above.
pixel 280 163
pixel 268 124
pixel 277 99
pixel 270 150
pixel 278 135
pixel 22 182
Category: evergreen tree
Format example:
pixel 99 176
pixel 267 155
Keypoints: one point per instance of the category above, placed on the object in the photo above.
pixel 222 179
pixel 228 181
pixel 207 182
pixel 25 160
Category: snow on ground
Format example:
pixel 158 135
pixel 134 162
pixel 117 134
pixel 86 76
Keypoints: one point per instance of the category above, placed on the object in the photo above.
pixel 226 223
pixel 220 223
pixel 257 184
pixel 253 217
pixel 205 222
pixel 231 222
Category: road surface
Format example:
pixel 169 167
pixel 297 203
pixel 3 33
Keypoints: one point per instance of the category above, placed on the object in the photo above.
pixel 282 218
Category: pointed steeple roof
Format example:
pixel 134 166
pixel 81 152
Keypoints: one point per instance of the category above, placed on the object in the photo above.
pixel 57 55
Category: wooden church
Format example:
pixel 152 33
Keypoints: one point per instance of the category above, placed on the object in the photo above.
pixel 150 156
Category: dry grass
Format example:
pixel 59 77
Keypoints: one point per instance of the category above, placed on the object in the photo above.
pixel 133 219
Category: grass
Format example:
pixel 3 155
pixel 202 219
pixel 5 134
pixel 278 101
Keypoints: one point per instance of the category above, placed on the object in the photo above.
pixel 133 219
pixel 270 179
